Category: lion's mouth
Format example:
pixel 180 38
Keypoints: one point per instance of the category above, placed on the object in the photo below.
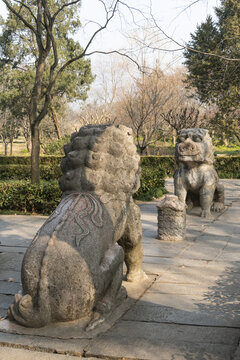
pixel 186 153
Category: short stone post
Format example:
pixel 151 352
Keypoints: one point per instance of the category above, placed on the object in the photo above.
pixel 171 219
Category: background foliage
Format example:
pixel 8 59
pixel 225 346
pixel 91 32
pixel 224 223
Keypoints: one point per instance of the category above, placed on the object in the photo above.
pixel 20 196
pixel 24 197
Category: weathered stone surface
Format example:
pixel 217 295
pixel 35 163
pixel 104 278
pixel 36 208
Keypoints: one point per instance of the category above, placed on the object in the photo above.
pixel 14 276
pixel 10 261
pixel 44 343
pixel 23 354
pixel 164 249
pixel 13 249
pixel 9 287
pixel 5 300
pixel 14 240
pixel 22 233
pixel 165 341
pixel 237 354
pixel 200 273
pixel 204 295
pixel 3 313
pixel 171 219
pixel 196 180
pixel 76 329
pixel 204 315
pixel 74 265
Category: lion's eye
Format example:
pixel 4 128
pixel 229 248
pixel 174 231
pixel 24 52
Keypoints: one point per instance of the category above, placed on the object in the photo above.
pixel 197 138
pixel 181 139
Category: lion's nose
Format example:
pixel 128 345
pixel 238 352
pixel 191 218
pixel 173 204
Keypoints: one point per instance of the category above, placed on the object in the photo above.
pixel 187 145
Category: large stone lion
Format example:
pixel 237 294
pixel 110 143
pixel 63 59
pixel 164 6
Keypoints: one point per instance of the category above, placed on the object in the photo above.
pixel 196 180
pixel 73 267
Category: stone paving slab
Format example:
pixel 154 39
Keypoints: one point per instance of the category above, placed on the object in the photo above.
pixel 22 354
pixel 201 315
pixel 13 275
pixel 165 341
pixel 76 329
pixel 9 288
pixel 11 249
pixel 10 261
pixel 195 274
pixel 5 301
pixel 45 344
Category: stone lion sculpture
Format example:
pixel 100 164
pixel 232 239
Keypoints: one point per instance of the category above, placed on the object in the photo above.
pixel 73 267
pixel 196 180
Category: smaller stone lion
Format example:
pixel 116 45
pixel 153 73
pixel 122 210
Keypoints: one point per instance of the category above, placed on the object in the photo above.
pixel 74 265
pixel 196 180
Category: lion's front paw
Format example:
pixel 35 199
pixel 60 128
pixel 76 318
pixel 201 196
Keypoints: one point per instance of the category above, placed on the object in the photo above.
pixel 218 207
pixel 206 214
pixel 136 276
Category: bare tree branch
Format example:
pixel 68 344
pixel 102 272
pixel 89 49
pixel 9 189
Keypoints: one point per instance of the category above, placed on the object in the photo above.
pixel 115 52
pixel 182 46
pixel 109 18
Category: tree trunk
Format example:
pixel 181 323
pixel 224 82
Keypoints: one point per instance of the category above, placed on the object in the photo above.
pixel 142 150
pixel 224 139
pixel 35 119
pixel 27 138
pixel 11 147
pixel 5 148
pixel 35 154
pixel 28 145
pixel 55 120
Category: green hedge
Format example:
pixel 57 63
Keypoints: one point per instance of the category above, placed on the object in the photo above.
pixel 23 172
pixel 19 167
pixel 22 196
pixel 228 167
pixel 26 160
pixel 153 176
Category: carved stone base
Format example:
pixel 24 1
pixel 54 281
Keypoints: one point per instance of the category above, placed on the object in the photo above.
pixel 171 219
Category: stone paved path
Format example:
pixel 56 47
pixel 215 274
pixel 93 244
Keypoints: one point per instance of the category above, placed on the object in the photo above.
pixel 191 311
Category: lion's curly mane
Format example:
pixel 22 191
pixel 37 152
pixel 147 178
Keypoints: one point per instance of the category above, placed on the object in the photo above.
pixel 103 159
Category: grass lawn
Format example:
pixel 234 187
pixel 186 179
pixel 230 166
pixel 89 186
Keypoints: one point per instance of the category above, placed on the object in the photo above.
pixel 227 151
pixel 19 149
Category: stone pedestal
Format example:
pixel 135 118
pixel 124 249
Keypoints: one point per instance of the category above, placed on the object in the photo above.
pixel 171 219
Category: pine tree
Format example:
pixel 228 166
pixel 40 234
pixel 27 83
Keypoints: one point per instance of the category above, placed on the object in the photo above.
pixel 213 61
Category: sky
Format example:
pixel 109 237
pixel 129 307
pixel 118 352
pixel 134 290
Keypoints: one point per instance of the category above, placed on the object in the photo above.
pixel 176 18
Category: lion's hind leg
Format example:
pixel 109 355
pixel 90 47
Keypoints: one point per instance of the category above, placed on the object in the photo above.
pixel 111 291
pixel 218 200
pixel 111 275
pixel 131 241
